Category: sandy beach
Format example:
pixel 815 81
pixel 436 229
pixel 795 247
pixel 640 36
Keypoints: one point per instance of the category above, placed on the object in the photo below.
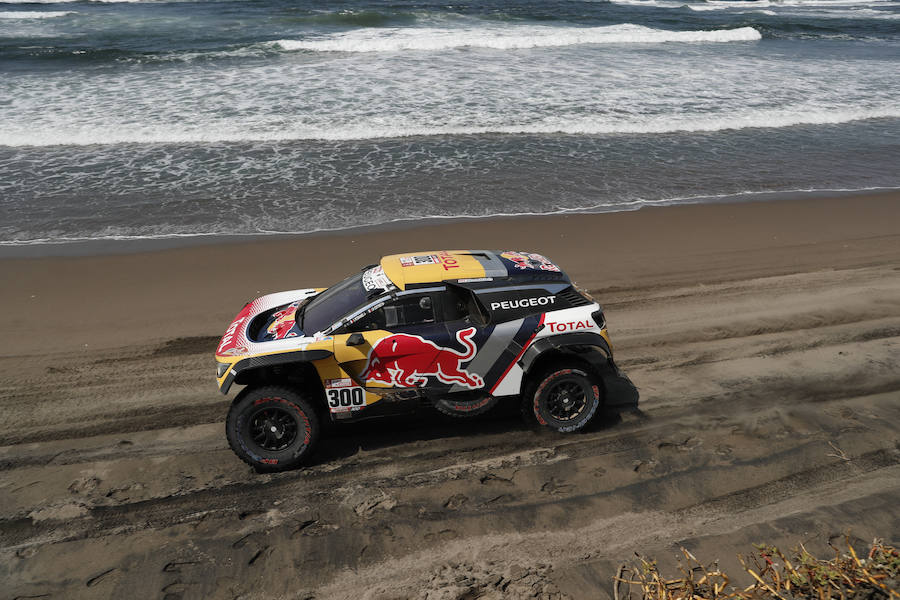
pixel 764 338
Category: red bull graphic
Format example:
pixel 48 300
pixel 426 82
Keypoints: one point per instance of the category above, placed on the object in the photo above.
pixel 404 360
pixel 283 322
pixel 530 260
pixel 235 340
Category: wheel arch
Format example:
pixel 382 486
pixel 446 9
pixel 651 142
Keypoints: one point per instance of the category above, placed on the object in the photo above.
pixel 591 350
pixel 298 373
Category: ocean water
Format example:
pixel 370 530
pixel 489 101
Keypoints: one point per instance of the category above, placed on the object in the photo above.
pixel 162 119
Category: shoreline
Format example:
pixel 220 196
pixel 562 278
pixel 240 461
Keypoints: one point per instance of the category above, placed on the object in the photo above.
pixel 86 302
pixel 112 246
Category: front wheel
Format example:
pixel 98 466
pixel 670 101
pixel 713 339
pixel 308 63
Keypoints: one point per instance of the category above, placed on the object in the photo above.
pixel 272 428
pixel 562 398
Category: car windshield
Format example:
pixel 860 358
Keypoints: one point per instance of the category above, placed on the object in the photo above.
pixel 332 304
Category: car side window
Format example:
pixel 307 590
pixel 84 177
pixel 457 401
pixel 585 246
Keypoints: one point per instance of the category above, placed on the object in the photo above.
pixel 416 309
pixel 368 322
pixel 460 305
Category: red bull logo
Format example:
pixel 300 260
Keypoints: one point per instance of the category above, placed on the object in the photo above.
pixel 530 260
pixel 283 322
pixel 404 360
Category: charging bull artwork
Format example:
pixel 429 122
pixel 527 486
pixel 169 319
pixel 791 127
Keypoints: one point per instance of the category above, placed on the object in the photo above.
pixel 404 360
pixel 282 322
pixel 530 260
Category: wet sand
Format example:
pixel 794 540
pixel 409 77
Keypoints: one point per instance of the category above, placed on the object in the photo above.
pixel 764 339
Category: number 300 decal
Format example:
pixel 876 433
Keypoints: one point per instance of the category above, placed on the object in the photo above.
pixel 346 397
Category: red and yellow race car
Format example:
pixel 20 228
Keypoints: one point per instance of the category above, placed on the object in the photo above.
pixel 458 329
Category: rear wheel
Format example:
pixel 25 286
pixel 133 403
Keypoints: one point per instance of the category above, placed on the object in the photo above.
pixel 562 398
pixel 465 404
pixel 272 428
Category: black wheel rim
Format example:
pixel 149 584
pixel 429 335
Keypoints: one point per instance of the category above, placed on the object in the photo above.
pixel 566 400
pixel 272 429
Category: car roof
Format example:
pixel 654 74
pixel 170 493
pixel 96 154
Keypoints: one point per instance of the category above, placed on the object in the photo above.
pixel 413 269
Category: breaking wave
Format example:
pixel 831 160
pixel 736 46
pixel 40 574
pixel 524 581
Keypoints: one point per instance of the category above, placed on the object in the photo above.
pixel 506 38
pixel 35 14
pixel 827 10
pixel 586 126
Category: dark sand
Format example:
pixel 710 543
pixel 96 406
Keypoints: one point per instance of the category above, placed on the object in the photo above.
pixel 764 339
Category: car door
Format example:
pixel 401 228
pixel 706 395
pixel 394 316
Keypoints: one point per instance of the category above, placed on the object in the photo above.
pixel 391 344
pixel 459 342
pixel 500 340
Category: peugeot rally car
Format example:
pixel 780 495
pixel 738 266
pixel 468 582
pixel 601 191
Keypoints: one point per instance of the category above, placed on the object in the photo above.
pixel 456 329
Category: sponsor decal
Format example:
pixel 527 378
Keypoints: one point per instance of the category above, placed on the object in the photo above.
pixel 523 303
pixel 474 280
pixel 344 395
pixel 339 383
pixel 283 322
pixel 404 360
pixel 229 334
pixel 375 279
pixel 570 326
pixel 448 261
pixel 362 314
pixel 530 260
pixel 443 258
pixel 235 351
pixel 415 261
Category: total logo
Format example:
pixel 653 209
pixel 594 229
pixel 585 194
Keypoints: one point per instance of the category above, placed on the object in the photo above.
pixel 448 261
pixel 570 326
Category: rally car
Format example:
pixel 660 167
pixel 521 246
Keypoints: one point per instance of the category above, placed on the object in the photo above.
pixel 458 330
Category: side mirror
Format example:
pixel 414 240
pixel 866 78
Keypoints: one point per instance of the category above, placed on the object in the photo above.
pixel 356 339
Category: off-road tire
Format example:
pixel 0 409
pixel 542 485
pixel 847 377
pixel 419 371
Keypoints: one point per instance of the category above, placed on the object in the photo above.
pixel 562 397
pixel 272 428
pixel 463 406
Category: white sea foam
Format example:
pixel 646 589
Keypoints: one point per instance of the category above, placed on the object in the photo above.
pixel 585 126
pixel 603 90
pixel 744 5
pixel 728 5
pixel 35 14
pixel 859 13
pixel 650 3
pixel 847 12
pixel 839 9
pixel 827 3
pixel 506 38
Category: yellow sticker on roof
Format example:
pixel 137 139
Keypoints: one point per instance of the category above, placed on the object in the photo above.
pixel 427 267
pixel 415 261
